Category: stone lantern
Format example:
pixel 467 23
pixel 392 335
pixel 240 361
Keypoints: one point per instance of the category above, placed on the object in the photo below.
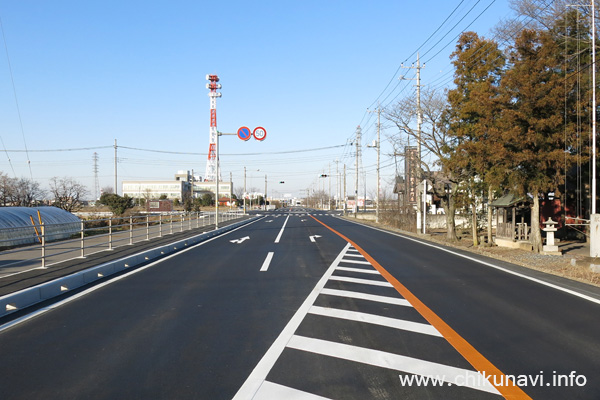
pixel 550 248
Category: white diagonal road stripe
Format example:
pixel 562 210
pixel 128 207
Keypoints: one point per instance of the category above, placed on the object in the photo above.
pixel 362 270
pixel 366 296
pixel 362 281
pixel 375 320
pixel 472 379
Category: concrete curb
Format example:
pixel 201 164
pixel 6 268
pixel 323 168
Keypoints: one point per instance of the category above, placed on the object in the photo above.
pixel 27 297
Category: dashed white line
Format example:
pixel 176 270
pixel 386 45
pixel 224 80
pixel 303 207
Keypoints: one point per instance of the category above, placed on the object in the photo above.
pixel 281 231
pixel 267 262
pixel 259 374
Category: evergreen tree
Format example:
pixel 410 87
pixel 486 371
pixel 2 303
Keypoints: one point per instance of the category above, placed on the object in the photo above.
pixel 477 154
pixel 535 130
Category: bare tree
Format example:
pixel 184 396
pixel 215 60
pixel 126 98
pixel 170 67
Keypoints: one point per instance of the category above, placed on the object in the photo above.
pixel 68 194
pixel 8 186
pixel 238 192
pixel 434 140
pixel 28 193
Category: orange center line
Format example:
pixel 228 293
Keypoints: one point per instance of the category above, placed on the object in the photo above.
pixel 509 390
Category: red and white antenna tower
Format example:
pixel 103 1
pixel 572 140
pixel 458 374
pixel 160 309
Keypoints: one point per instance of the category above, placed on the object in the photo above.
pixel 213 163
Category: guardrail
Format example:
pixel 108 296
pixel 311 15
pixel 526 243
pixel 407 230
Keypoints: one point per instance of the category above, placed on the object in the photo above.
pixel 99 235
pixel 28 296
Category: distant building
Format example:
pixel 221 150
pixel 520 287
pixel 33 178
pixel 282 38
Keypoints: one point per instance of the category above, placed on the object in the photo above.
pixel 156 189
pixel 183 184
pixel 199 189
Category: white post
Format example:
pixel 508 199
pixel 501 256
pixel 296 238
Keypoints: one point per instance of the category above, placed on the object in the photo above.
pixel 424 206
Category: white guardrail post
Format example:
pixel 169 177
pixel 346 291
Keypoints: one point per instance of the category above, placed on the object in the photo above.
pixel 43 228
pixel 82 239
pixel 110 233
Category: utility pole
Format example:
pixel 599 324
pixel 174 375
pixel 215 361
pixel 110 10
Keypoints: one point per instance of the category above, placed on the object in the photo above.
pixel 358 133
pixel 418 67
pixel 344 193
pixel 245 191
pixel 337 183
pixel 329 195
pixel 593 108
pixel 116 192
pixel 265 192
pixel 96 184
pixel 378 147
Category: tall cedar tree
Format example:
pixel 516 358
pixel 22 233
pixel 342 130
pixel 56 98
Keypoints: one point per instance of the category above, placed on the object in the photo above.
pixel 535 128
pixel 475 106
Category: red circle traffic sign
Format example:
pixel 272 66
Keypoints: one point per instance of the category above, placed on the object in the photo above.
pixel 259 133
pixel 244 133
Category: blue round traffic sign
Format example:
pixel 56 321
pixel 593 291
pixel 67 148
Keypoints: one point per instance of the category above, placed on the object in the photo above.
pixel 244 133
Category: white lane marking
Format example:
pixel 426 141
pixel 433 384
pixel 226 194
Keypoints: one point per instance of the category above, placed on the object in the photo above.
pixel 375 320
pixel 53 306
pixel 362 281
pixel 356 262
pixel 281 231
pixel 363 270
pixel 267 261
pixel 259 374
pixel 472 379
pixel 366 296
pixel 269 391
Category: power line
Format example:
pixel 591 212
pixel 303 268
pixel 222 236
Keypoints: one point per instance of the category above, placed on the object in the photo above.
pixel 236 154
pixel 16 99
pixel 8 157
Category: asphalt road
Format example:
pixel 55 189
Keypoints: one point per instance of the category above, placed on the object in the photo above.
pixel 287 308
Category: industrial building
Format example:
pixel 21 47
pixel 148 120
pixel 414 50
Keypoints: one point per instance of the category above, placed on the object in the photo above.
pixel 184 183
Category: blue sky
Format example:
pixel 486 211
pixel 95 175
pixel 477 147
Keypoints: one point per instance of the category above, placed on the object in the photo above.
pixel 88 72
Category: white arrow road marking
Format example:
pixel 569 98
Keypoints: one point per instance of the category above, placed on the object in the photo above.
pixel 313 238
pixel 240 240
pixel 269 220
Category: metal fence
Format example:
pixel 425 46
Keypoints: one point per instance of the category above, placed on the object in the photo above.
pixel 100 235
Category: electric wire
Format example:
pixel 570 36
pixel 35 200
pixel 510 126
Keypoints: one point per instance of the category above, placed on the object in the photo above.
pixel 12 79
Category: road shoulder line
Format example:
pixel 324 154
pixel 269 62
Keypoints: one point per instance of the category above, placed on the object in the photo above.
pixel 489 264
